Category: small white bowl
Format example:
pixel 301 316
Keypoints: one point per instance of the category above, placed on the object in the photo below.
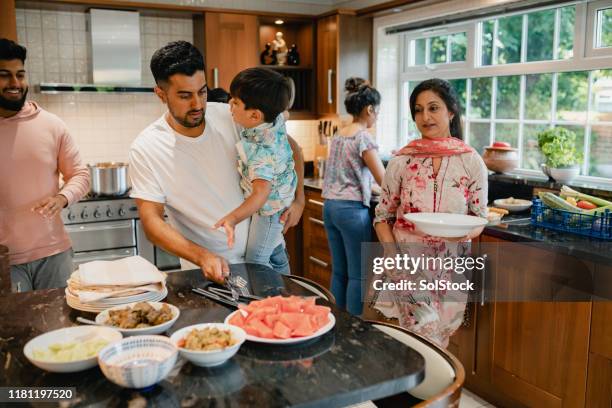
pixel 102 319
pixel 445 225
pixel 139 361
pixel 213 357
pixel 512 204
pixel 67 335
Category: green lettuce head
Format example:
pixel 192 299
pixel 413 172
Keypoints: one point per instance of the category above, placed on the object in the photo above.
pixel 559 147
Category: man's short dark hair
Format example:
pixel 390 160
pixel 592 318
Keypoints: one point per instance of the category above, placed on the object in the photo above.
pixel 10 50
pixel 263 89
pixel 177 57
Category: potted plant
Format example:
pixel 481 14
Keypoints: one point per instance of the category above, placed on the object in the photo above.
pixel 562 159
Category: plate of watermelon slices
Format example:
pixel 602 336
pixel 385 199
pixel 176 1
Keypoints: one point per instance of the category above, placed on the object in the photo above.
pixel 283 320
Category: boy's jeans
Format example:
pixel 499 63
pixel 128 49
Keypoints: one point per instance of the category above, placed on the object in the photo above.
pixel 265 244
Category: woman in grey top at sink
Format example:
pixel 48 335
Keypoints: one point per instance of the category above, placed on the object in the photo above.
pixel 347 188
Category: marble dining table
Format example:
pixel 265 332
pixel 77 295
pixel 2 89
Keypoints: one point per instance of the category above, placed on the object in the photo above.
pixel 352 363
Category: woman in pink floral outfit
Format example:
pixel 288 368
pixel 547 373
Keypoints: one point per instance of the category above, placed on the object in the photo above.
pixel 437 173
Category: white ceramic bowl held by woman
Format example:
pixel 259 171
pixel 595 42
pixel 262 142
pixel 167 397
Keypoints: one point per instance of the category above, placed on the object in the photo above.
pixel 445 225
pixel 138 361
pixel 213 357
pixel 66 337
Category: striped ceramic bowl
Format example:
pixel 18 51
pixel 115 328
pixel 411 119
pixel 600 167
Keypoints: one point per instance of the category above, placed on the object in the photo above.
pixel 139 361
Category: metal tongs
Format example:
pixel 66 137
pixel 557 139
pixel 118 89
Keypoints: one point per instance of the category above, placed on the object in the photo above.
pixel 226 300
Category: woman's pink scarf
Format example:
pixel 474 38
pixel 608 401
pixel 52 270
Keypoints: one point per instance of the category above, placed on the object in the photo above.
pixel 438 147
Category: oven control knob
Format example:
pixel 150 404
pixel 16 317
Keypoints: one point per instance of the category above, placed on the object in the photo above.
pixel 121 212
pixel 109 213
pixel 71 216
pixel 97 213
pixel 84 214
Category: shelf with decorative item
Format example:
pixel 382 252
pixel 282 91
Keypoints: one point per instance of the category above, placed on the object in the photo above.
pixel 287 46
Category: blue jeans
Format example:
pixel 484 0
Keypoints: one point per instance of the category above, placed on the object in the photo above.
pixel 347 224
pixel 279 261
pixel 265 236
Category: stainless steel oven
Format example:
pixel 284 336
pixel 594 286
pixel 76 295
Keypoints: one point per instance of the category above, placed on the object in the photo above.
pixel 163 260
pixel 109 229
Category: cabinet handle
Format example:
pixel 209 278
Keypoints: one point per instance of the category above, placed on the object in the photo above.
pixel 215 77
pixel 482 289
pixel 330 98
pixel 315 202
pixel 316 221
pixel 318 261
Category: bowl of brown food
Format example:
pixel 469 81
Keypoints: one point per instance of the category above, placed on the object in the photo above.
pixel 208 344
pixel 140 318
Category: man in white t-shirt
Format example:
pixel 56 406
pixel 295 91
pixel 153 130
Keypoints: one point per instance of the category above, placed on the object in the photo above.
pixel 184 164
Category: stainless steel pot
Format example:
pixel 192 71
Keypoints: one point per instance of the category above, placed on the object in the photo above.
pixel 108 179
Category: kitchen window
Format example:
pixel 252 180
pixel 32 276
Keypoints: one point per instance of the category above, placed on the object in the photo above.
pixel 516 74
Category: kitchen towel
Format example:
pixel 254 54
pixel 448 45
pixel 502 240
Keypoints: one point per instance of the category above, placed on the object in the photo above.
pixel 130 271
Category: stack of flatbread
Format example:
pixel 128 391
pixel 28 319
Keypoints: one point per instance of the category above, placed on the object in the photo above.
pixel 98 285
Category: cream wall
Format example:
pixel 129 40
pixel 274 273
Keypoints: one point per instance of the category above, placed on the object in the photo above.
pixel 104 125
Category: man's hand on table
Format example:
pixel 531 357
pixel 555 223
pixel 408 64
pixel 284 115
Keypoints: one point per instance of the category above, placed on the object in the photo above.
pixel 291 216
pixel 214 267
pixel 50 206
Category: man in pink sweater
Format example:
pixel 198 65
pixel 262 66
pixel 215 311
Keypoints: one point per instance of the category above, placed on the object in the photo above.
pixel 35 148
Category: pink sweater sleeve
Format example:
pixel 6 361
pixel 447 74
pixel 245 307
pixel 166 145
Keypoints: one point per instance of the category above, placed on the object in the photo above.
pixel 74 172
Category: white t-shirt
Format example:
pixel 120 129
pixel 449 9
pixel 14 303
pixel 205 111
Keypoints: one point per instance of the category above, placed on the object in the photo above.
pixel 196 178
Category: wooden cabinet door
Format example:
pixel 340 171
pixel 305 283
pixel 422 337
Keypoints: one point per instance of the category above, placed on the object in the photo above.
pixel 327 65
pixel 540 349
pixel 317 258
pixel 599 382
pixel 232 42
pixel 471 343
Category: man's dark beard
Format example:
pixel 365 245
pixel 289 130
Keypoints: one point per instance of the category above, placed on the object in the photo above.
pixel 13 105
pixel 185 121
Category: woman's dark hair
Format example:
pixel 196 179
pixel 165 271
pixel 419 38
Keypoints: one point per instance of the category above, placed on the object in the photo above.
pixel 10 50
pixel 218 95
pixel 447 93
pixel 263 89
pixel 360 94
pixel 177 57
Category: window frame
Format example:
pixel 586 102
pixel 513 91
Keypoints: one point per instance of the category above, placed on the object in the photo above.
pixel 591 29
pixel 585 58
pixel 407 56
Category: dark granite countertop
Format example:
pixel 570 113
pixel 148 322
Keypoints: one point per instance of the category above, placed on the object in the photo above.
pixel 598 189
pixel 518 228
pixel 313 183
pixel 352 363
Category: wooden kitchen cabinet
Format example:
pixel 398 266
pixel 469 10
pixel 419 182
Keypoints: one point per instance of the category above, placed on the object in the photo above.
pixel 599 380
pixel 230 44
pixel 344 43
pixel 8 22
pixel 526 354
pixel 316 254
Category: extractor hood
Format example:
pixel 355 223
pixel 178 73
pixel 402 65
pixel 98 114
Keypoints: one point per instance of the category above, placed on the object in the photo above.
pixel 115 52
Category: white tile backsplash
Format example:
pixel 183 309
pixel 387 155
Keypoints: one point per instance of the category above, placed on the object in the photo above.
pixel 32 18
pixel 64 20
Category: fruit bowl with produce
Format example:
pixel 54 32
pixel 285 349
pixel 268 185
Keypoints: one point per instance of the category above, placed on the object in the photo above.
pixel 501 157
